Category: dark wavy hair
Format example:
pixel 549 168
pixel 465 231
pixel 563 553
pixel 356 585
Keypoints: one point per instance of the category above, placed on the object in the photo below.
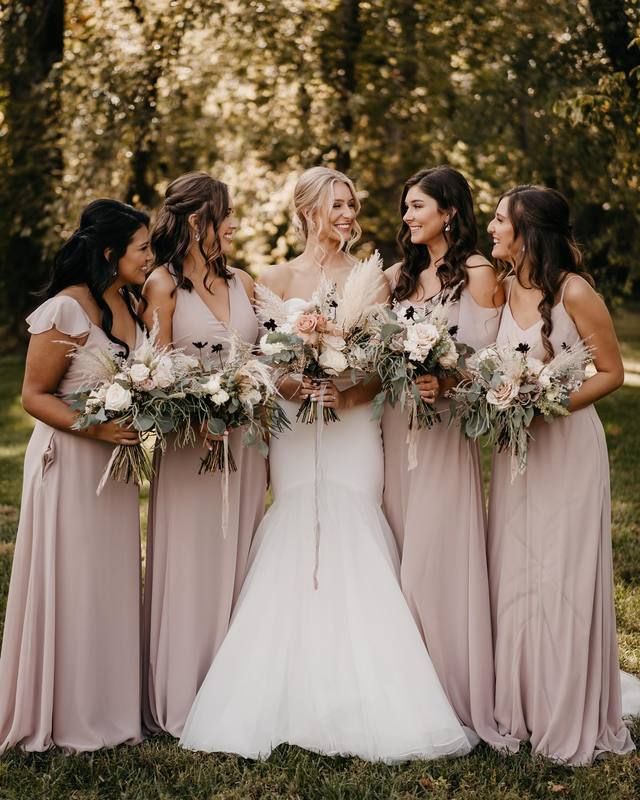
pixel 542 218
pixel 194 193
pixel 104 225
pixel 450 190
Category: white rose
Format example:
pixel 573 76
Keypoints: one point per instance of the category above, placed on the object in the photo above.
pixel 251 398
pixel 334 342
pixel 117 398
pixel 163 373
pixel 139 373
pixel 212 386
pixel 450 359
pixel 271 348
pixel 219 397
pixel 503 394
pixel 420 340
pixel 332 361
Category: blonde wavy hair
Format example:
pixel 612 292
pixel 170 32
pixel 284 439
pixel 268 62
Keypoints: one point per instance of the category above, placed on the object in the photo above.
pixel 313 197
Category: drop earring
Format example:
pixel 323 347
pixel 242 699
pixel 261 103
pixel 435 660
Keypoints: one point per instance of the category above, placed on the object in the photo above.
pixel 447 227
pixel 197 237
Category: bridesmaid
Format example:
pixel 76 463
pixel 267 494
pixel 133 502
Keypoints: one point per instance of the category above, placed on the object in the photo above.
pixel 550 562
pixel 70 663
pixel 193 573
pixel 436 510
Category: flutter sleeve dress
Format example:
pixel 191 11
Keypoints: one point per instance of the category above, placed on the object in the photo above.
pixel 70 662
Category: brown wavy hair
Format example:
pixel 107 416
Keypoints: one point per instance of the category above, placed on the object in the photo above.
pixel 542 219
pixel 450 190
pixel 171 238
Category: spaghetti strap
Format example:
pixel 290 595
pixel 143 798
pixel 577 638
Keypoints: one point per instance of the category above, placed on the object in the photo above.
pixel 566 281
pixel 509 285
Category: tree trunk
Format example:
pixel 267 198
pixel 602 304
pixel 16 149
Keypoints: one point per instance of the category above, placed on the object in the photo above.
pixel 33 46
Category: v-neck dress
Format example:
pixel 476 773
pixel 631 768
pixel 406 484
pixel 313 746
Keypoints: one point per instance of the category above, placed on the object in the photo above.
pixel 551 578
pixel 437 513
pixel 70 663
pixel 193 573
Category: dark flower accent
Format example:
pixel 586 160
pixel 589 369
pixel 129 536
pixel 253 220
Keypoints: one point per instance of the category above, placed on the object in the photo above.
pixel 564 346
pixel 410 313
pixel 270 325
pixel 523 347
pixel 333 304
pixel 453 330
pixel 199 345
pixel 216 348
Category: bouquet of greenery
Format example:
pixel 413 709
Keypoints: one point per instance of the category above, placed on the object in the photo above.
pixel 236 393
pixel 326 336
pixel 411 343
pixel 505 388
pixel 146 391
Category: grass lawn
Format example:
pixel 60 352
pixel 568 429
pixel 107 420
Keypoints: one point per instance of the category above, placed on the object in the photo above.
pixel 158 769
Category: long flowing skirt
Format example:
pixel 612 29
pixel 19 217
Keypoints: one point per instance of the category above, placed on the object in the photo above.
pixel 340 668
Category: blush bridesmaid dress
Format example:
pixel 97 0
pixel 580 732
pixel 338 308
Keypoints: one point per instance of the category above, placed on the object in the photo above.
pixel 437 513
pixel 194 574
pixel 70 663
pixel 551 577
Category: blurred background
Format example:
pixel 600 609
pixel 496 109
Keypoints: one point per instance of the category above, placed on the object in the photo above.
pixel 118 97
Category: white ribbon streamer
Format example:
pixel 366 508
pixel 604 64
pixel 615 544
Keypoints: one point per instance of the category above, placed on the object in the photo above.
pixel 412 436
pixel 225 485
pixel 317 468
pixel 107 471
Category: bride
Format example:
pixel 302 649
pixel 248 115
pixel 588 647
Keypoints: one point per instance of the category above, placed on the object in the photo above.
pixel 337 668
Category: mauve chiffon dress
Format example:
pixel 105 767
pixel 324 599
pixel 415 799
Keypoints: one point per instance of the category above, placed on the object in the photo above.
pixel 551 578
pixel 437 513
pixel 194 574
pixel 70 663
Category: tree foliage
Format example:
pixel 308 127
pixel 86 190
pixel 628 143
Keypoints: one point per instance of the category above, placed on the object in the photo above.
pixel 255 90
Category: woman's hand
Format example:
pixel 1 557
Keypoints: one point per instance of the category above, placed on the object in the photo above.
pixel 429 388
pixel 326 391
pixel 113 432
pixel 291 387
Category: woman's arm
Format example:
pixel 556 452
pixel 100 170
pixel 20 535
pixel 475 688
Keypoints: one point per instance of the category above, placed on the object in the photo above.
pixel 160 299
pixel 593 321
pixel 46 365
pixel 483 283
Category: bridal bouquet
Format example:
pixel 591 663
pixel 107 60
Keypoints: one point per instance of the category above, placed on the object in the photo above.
pixel 414 343
pixel 505 388
pixel 146 391
pixel 325 336
pixel 238 393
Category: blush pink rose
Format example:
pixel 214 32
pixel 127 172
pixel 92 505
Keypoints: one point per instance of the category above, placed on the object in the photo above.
pixel 307 323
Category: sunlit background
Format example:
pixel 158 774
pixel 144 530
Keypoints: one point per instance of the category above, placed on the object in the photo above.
pixel 117 97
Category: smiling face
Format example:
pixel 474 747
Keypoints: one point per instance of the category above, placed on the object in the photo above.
pixel 227 229
pixel 342 213
pixel 505 243
pixel 423 217
pixel 134 264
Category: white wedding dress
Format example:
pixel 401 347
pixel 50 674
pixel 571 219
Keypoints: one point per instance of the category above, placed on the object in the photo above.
pixel 337 669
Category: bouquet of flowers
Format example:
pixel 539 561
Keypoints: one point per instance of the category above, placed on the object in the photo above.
pixel 412 343
pixel 146 391
pixel 505 388
pixel 238 393
pixel 326 336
